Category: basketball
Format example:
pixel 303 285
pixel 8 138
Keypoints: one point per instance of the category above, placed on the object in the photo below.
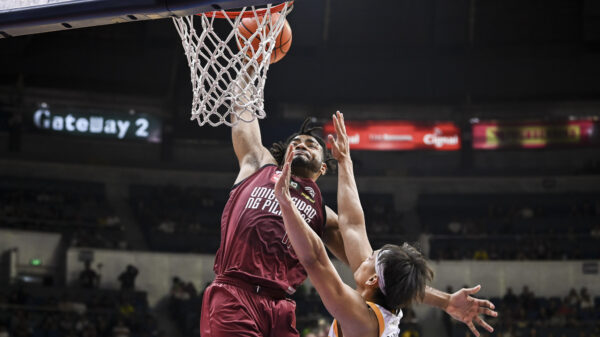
pixel 282 43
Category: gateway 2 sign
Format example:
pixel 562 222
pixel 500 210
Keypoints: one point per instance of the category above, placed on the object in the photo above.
pixel 107 125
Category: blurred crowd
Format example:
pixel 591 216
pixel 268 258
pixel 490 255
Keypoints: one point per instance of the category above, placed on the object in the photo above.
pixel 185 304
pixel 577 314
pixel 512 227
pixel 31 311
pixel 171 209
pixel 187 219
pixel 78 210
pixel 188 216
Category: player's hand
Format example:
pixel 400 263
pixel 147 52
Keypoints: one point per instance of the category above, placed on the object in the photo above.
pixel 282 187
pixel 464 308
pixel 340 148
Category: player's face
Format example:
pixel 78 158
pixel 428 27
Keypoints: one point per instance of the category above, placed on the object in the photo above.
pixel 366 270
pixel 308 156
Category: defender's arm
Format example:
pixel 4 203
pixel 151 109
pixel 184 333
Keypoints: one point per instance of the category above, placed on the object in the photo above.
pixel 459 305
pixel 332 236
pixel 351 217
pixel 344 303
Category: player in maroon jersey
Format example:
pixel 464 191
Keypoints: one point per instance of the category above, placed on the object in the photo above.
pixel 254 266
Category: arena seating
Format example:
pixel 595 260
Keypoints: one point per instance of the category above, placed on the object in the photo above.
pixel 510 227
pixel 528 315
pixel 78 210
pixel 29 310
pixel 177 219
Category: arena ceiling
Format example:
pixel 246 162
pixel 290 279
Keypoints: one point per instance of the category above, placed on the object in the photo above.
pixel 409 51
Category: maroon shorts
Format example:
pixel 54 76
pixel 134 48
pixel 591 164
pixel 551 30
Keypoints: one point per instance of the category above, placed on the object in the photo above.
pixel 231 309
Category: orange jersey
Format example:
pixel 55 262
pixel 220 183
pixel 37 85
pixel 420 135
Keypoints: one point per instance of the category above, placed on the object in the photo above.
pixel 387 321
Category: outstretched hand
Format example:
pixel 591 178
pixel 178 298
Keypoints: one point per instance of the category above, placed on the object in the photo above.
pixel 340 148
pixel 464 308
pixel 282 187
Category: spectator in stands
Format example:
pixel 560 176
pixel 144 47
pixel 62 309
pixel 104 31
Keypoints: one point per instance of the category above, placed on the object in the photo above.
pixel 586 306
pixel 126 309
pixel 533 332
pixel 412 332
pixel 178 290
pixel 120 330
pixel 526 212
pixel 82 324
pixel 127 278
pixel 541 250
pixel 510 299
pixel 89 331
pixel 322 329
pixel 125 306
pixel 542 316
pixel 481 254
pixel 150 327
pixel 455 227
pixel 191 289
pixel 66 323
pixel 167 226
pixel 50 326
pixel 207 201
pixel 18 296
pixel 102 325
pixel 526 296
pixel 521 318
pixel 595 232
pixel 110 221
pixel 493 252
pixel 67 305
pixel 564 313
pixel 572 299
pixel 555 319
pixel 88 278
pixel 509 332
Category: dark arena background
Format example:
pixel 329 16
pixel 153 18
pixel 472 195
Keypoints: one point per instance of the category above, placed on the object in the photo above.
pixel 476 137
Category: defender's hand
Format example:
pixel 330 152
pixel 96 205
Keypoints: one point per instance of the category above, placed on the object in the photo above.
pixel 464 308
pixel 340 148
pixel 282 187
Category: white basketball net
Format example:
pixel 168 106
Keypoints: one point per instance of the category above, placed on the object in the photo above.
pixel 228 76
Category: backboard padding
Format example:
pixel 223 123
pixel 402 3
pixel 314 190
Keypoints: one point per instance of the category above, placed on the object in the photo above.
pixel 71 14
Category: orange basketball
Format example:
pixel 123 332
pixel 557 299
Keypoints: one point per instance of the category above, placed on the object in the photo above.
pixel 282 43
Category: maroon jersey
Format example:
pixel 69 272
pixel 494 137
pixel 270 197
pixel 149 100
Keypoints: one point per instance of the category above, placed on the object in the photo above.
pixel 254 244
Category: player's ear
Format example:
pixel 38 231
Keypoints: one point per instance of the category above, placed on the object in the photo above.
pixel 323 169
pixel 372 282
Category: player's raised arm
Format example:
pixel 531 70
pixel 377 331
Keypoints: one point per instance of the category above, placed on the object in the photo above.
pixel 246 137
pixel 351 218
pixel 332 237
pixel 342 302
pixel 460 305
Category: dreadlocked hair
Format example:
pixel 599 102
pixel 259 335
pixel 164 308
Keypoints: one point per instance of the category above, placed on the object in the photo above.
pixel 278 149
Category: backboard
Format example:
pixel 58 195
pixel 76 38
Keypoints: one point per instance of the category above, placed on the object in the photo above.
pixel 22 17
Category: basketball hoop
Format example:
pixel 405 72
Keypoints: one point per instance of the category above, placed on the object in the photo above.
pixel 228 75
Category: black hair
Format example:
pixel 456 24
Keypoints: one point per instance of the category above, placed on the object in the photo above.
pixel 278 149
pixel 406 275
